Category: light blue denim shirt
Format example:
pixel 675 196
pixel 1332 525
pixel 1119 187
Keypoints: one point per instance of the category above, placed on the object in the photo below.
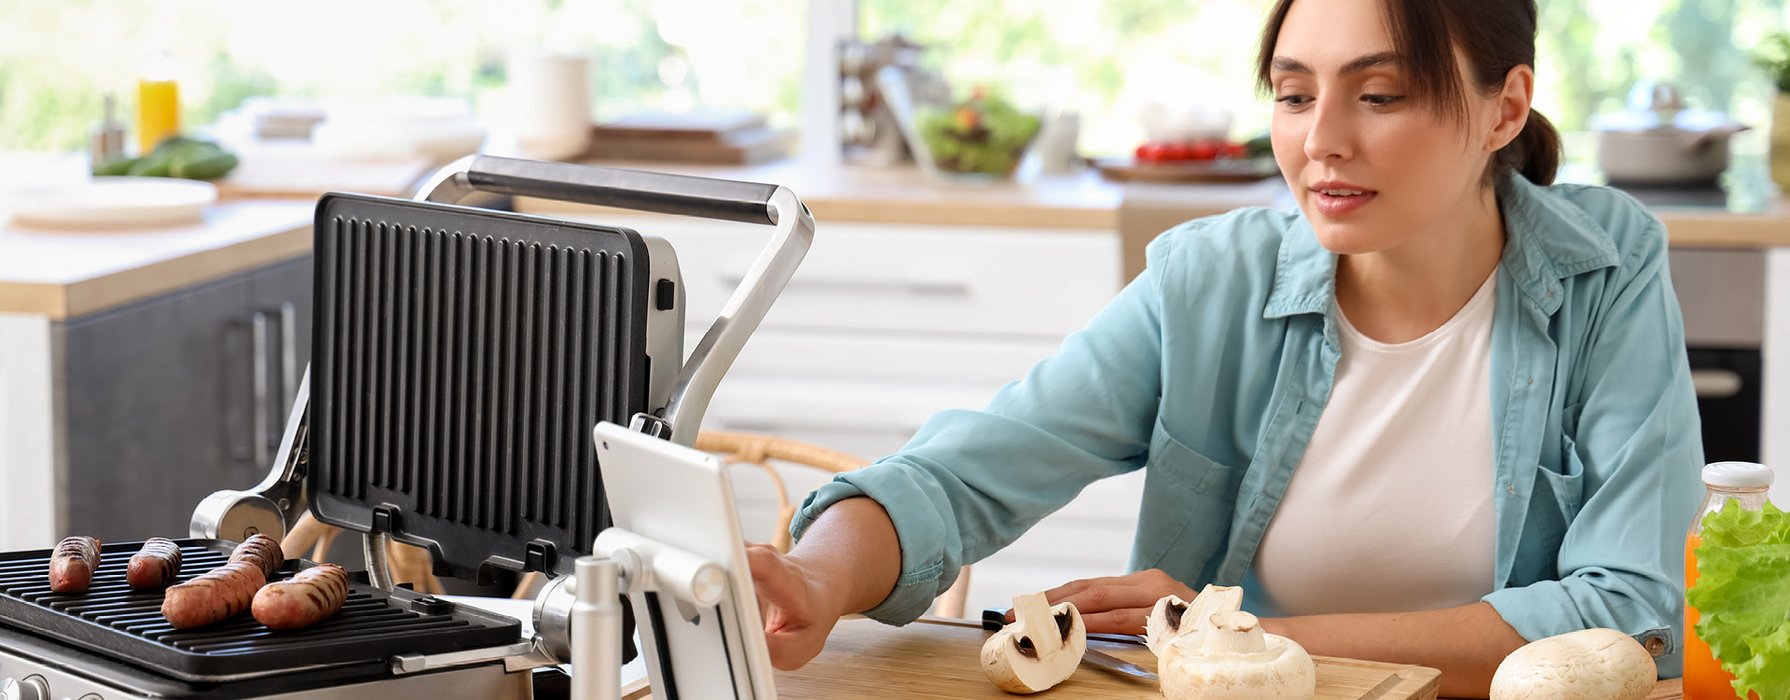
pixel 1210 369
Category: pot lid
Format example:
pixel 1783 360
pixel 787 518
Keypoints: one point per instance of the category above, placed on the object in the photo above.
pixel 1689 120
pixel 1658 106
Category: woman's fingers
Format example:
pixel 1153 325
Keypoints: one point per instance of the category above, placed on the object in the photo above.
pixel 1117 594
pixel 1125 621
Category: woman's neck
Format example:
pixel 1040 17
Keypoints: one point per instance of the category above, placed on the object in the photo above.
pixel 1404 293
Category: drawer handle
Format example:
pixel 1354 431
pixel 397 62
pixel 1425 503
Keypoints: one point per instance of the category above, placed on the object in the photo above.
pixel 940 288
pixel 1715 383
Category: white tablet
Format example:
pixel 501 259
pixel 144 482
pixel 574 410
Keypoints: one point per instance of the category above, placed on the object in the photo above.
pixel 682 497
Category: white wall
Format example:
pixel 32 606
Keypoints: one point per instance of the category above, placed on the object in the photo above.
pixel 1775 449
pixel 27 434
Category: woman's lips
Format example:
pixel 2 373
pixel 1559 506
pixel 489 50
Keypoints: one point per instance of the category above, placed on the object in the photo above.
pixel 1340 199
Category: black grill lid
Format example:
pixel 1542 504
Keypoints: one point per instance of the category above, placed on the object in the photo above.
pixel 460 358
pixel 127 624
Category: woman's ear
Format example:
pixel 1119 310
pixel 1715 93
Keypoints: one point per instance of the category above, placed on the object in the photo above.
pixel 1512 107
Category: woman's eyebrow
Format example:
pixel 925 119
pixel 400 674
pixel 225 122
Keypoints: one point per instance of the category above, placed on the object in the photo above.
pixel 1372 60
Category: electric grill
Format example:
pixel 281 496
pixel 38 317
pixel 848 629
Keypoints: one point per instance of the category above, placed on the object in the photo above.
pixel 461 357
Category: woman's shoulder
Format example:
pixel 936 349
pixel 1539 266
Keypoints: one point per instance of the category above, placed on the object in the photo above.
pixel 1240 239
pixel 1610 217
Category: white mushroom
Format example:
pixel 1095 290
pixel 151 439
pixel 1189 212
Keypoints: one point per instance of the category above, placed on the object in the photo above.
pixel 1173 617
pixel 1040 649
pixel 1593 664
pixel 1232 659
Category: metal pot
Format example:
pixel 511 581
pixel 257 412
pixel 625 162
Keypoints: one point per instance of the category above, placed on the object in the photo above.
pixel 1660 143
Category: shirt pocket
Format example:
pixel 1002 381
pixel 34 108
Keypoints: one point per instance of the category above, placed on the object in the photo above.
pixel 1186 509
pixel 1566 484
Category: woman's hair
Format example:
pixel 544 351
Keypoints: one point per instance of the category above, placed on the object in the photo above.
pixel 1494 36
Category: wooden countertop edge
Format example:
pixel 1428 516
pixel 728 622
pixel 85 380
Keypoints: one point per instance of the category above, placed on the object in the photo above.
pixel 887 210
pixel 110 290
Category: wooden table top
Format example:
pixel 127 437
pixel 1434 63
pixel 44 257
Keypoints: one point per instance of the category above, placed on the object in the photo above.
pixel 936 659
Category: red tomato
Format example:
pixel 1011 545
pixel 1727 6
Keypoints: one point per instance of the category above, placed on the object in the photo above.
pixel 1176 151
pixel 1202 150
pixel 1149 153
pixel 1234 150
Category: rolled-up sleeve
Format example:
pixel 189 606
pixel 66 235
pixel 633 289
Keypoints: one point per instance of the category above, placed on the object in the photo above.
pixel 1638 446
pixel 970 482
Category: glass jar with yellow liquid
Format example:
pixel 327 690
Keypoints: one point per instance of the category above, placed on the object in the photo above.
pixel 158 110
pixel 1727 485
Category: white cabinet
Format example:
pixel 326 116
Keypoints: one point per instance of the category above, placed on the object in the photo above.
pixel 884 325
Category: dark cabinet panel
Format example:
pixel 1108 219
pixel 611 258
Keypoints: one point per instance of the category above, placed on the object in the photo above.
pixel 161 399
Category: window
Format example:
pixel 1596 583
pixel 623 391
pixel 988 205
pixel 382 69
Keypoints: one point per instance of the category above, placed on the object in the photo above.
pixel 1122 53
pixel 58 58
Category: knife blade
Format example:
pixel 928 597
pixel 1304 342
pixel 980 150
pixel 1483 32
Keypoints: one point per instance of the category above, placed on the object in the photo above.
pixel 993 619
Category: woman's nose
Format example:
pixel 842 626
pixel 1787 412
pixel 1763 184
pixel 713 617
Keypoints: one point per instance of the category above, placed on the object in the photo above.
pixel 1329 134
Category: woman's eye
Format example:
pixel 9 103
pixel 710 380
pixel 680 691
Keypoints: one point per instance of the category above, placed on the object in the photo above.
pixel 1294 101
pixel 1381 100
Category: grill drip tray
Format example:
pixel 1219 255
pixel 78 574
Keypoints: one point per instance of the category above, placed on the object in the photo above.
pixel 127 624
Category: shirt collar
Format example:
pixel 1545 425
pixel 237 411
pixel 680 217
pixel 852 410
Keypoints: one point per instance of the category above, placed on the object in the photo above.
pixel 1549 239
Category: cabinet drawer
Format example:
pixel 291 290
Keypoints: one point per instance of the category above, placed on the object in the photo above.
pixel 866 419
pixel 907 278
pixel 809 355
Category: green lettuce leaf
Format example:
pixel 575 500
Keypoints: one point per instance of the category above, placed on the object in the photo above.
pixel 1743 594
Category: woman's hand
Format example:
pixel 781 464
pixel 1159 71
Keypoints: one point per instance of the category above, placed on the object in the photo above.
pixel 797 615
pixel 1117 604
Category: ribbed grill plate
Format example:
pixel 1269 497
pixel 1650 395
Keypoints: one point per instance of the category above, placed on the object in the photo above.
pixel 461 358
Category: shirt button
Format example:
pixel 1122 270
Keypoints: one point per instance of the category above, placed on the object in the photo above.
pixel 1531 381
pixel 1510 489
pixel 1655 646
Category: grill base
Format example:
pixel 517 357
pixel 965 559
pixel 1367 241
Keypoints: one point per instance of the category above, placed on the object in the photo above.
pixel 74 673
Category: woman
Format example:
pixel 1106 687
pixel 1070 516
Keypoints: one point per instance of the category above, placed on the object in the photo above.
pixel 1441 410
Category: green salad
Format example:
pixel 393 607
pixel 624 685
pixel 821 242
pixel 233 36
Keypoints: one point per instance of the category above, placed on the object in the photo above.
pixel 1743 594
pixel 984 134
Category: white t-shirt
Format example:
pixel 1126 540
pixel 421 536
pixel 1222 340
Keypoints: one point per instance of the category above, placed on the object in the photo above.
pixel 1391 507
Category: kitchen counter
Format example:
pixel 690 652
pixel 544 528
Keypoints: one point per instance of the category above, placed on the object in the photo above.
pixel 1137 211
pixel 66 273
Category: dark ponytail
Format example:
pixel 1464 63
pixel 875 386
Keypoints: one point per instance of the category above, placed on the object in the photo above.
pixel 1534 153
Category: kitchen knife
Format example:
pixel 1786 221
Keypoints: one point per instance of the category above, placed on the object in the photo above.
pixel 993 619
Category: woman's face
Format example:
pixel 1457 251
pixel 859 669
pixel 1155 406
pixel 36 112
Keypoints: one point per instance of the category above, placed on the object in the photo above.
pixel 1371 168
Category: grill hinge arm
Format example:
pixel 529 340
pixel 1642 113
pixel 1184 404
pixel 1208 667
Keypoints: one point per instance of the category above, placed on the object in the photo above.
pixel 271 506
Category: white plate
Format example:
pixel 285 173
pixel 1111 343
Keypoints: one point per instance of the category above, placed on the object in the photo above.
pixel 113 202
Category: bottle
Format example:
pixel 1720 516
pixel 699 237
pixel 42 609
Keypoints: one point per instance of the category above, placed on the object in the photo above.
pixel 1727 485
pixel 106 142
pixel 158 106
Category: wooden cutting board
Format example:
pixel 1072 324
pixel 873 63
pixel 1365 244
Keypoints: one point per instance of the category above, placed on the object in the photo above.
pixel 942 659
pixel 936 659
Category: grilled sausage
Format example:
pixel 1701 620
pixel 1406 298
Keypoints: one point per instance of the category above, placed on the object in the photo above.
pixel 306 599
pixel 264 551
pixel 154 566
pixel 216 595
pixel 72 564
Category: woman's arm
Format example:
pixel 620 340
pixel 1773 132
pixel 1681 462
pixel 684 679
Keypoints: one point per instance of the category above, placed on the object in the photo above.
pixel 847 564
pixel 1467 643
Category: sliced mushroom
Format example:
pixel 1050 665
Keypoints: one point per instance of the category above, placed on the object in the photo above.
pixel 1173 617
pixel 1232 659
pixel 1594 663
pixel 1040 649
